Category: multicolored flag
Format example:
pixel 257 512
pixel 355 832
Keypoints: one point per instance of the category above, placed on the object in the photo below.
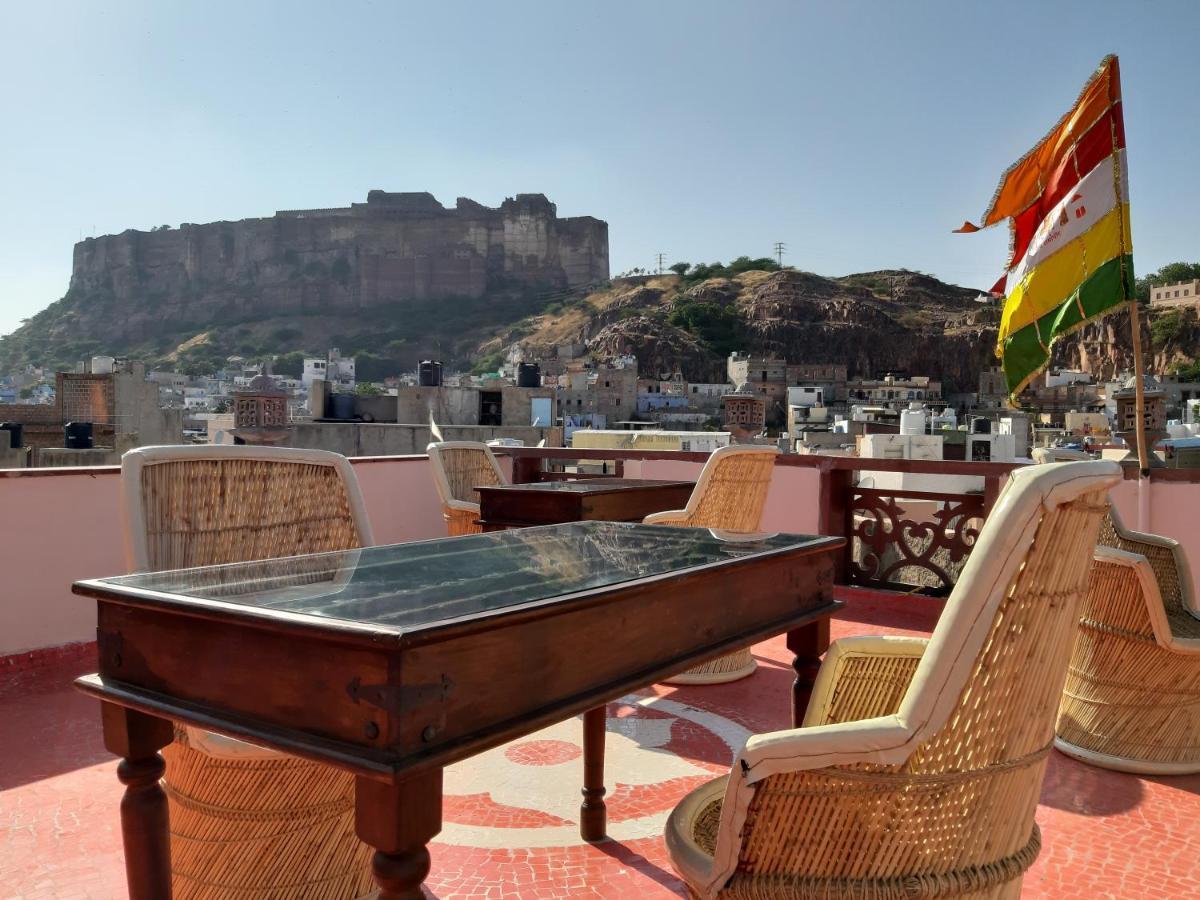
pixel 1070 256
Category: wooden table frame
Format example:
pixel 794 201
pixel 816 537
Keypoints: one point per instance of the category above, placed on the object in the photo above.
pixel 609 499
pixel 388 732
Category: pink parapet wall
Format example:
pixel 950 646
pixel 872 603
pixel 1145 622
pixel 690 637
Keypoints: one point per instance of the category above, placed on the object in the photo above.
pixel 1168 508
pixel 63 525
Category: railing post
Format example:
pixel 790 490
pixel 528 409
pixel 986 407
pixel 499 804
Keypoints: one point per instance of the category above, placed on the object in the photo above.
pixel 835 516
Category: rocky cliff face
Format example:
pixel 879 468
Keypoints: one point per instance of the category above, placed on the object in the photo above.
pixel 874 322
pixel 1105 347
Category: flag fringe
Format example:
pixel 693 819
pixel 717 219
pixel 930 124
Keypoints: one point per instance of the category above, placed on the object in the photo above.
pixel 1057 125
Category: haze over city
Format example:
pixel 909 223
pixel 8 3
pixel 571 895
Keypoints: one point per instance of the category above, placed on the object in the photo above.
pixel 859 134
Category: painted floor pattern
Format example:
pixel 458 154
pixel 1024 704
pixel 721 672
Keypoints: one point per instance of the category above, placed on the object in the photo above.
pixel 511 814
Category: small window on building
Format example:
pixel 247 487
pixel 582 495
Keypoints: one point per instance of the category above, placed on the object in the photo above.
pixel 607 384
pixel 695 390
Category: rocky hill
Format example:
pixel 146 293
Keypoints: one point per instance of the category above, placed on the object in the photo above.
pixel 874 322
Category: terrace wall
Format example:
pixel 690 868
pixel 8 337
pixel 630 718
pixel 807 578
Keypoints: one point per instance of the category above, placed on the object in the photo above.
pixel 63 525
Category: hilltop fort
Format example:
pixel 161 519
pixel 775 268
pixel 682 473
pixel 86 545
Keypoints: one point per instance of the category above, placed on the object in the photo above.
pixel 393 248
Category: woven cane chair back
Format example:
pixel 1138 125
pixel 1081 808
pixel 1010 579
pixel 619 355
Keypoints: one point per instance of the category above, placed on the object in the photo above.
pixel 458 468
pixel 732 489
pixel 206 505
pixel 463 466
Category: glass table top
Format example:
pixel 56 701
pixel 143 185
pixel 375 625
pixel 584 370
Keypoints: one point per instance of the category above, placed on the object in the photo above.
pixel 408 586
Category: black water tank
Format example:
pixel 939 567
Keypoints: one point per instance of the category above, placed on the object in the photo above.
pixel 14 430
pixel 529 375
pixel 77 436
pixel 980 425
pixel 429 373
pixel 341 406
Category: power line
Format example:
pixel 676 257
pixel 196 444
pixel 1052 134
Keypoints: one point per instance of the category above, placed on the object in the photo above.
pixel 661 259
pixel 780 246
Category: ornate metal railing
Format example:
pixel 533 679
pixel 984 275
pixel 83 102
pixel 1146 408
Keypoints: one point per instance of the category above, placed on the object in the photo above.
pixel 897 539
pixel 893 549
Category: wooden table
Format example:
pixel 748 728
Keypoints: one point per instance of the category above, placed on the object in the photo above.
pixel 393 662
pixel 552 502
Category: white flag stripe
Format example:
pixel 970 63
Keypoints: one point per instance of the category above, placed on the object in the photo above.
pixel 1092 199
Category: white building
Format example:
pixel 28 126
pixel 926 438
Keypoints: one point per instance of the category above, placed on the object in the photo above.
pixel 334 368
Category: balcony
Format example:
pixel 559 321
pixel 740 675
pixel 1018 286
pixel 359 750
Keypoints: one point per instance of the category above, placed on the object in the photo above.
pixel 510 813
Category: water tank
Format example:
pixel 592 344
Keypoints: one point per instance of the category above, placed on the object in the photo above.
pixel 981 425
pixel 102 365
pixel 429 373
pixel 529 375
pixel 340 406
pixel 77 436
pixel 14 430
pixel 912 421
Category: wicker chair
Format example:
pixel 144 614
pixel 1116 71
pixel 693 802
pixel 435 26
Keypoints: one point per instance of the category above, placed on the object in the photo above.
pixel 1132 698
pixel 247 822
pixel 730 495
pixel 458 468
pixel 918 769
pixel 1058 454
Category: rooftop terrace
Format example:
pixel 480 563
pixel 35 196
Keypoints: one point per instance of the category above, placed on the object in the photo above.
pixel 511 813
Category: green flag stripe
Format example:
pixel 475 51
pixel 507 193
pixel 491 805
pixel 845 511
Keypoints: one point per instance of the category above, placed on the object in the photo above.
pixel 1024 356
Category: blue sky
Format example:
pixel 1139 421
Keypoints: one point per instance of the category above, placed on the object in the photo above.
pixel 859 133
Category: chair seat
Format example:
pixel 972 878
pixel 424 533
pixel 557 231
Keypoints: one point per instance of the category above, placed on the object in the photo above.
pixel 730 667
pixel 691 831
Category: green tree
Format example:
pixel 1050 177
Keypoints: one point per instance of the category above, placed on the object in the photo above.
pixel 367 390
pixel 289 365
pixel 1171 273
pixel 718 327
pixel 680 268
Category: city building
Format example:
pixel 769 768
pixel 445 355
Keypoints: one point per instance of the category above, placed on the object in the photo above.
pixel 334 369
pixel 895 391
pixel 744 410
pixel 118 403
pixel 1181 293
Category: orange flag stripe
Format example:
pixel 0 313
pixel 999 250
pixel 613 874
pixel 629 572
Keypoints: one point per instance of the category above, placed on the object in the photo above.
pixel 1024 181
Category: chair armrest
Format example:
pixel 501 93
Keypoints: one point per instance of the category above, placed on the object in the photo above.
pixel 863 678
pixel 888 740
pixel 668 517
pixel 1137 566
pixel 1167 559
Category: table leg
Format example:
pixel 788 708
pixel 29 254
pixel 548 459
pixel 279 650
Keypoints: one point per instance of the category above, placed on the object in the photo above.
pixel 137 738
pixel 592 813
pixel 807 643
pixel 399 820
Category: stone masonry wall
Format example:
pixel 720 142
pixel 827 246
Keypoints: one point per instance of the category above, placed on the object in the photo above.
pixel 393 248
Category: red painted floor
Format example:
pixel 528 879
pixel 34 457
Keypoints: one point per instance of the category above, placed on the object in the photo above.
pixel 1106 835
